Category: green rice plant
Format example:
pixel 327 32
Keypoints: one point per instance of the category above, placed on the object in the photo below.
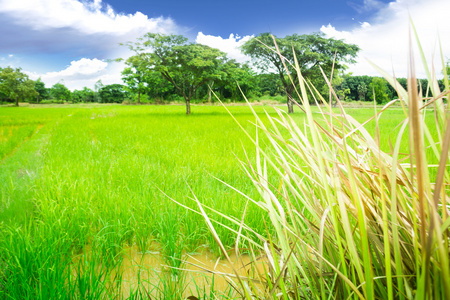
pixel 208 290
pixel 346 219
pixel 92 279
pixel 144 234
pixel 168 286
pixel 172 240
pixel 109 242
pixel 35 264
pixel 11 137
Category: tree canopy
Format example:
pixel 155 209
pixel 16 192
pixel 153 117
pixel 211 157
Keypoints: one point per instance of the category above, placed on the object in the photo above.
pixel 42 91
pixel 16 85
pixel 112 93
pixel 84 95
pixel 311 50
pixel 134 74
pixel 187 66
pixel 60 92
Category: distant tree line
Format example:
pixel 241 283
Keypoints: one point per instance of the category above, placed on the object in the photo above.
pixel 369 88
pixel 167 68
pixel 15 87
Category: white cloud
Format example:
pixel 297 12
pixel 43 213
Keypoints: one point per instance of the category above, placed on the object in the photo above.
pixel 385 40
pixel 68 30
pixel 84 17
pixel 83 66
pixel 81 73
pixel 230 45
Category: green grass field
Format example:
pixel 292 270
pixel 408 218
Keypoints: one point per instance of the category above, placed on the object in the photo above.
pixel 81 184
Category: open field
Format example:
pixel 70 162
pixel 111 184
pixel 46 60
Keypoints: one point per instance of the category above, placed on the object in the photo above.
pixel 84 186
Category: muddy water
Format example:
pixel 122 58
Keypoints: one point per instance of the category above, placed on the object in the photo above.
pixel 195 278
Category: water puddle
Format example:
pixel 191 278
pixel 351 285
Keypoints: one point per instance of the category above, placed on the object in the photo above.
pixel 200 273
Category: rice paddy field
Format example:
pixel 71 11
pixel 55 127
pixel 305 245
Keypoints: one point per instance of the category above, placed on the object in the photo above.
pixel 87 198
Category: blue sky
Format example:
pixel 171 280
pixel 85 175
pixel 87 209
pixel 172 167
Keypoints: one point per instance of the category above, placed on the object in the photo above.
pixel 71 40
pixel 247 17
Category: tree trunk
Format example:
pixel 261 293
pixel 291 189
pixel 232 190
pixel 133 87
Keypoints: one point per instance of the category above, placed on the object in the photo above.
pixel 290 104
pixel 290 101
pixel 209 90
pixel 17 101
pixel 289 88
pixel 38 99
pixel 188 107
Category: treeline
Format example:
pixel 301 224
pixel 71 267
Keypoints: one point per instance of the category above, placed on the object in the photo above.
pixel 369 88
pixel 158 91
pixel 15 87
pixel 167 68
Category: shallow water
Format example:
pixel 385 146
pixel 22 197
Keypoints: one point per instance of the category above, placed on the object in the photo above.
pixel 200 273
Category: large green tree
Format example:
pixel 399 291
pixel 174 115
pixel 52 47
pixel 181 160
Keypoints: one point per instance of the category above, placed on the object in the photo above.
pixel 16 85
pixel 186 66
pixel 60 92
pixel 311 50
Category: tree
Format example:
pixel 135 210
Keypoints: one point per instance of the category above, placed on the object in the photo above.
pixel 157 87
pixel 16 85
pixel 269 84
pixel 77 96
pixel 362 91
pixel 340 89
pixel 352 83
pixel 84 95
pixel 338 85
pixel 311 50
pixel 60 92
pixel 42 91
pixel 234 74
pixel 185 65
pixel 97 87
pixel 89 94
pixel 378 89
pixel 112 93
pixel 133 75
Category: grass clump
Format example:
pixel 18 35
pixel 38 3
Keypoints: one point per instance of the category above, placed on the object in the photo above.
pixel 346 219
